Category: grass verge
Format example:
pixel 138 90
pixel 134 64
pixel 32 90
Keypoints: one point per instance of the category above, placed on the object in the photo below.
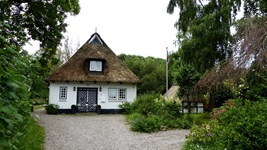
pixel 33 136
pixel 36 107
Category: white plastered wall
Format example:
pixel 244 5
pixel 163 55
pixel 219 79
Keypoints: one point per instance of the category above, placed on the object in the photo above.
pixel 102 95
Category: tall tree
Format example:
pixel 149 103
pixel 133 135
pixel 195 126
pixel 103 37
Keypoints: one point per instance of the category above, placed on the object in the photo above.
pixel 246 68
pixel 38 20
pixel 204 30
pixel 13 88
pixel 21 20
pixel 186 77
pixel 254 8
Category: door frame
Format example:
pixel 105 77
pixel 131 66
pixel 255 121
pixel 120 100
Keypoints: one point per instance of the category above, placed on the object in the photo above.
pixel 78 89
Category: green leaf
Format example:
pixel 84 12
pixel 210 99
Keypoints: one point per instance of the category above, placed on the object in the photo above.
pixel 3 141
pixel 12 95
pixel 19 62
pixel 5 109
pixel 13 85
pixel 2 38
pixel 10 49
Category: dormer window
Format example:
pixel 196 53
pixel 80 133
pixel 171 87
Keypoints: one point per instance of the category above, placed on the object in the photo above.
pixel 95 65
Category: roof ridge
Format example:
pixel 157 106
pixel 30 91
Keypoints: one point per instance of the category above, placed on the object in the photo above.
pixel 76 68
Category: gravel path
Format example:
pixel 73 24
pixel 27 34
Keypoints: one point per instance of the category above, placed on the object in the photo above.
pixel 102 132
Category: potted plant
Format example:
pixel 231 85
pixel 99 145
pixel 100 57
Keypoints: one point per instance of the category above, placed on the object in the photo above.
pixel 73 109
pixel 98 109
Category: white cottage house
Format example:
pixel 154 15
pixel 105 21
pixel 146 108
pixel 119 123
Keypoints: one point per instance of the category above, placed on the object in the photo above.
pixel 92 76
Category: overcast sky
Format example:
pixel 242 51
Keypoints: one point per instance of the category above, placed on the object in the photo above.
pixel 137 27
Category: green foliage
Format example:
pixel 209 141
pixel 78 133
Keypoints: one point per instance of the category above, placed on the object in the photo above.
pixel 151 112
pixel 204 30
pixel 199 119
pixel 14 105
pixel 21 20
pixel 239 124
pixel 38 75
pixel 254 86
pixel 33 136
pixel 222 93
pixel 141 123
pixel 52 109
pixel 151 71
pixel 9 121
pixel 127 107
pixel 39 101
pixel 38 20
pixel 186 77
pixel 186 122
pixel 147 104
pixel 255 7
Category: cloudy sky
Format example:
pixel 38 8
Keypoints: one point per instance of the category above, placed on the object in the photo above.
pixel 138 27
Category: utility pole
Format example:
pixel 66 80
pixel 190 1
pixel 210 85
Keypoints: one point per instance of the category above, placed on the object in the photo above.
pixel 167 64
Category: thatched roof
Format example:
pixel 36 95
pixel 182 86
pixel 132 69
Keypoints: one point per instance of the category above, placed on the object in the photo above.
pixel 172 92
pixel 75 69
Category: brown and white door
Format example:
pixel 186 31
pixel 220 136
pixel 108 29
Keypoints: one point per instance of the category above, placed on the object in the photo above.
pixel 86 99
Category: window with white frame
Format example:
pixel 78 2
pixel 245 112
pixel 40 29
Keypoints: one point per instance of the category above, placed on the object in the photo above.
pixel 122 93
pixel 63 92
pixel 117 93
pixel 112 93
pixel 95 65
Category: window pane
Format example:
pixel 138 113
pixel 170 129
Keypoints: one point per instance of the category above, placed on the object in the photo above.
pixel 92 65
pixel 63 93
pixel 95 65
pixel 122 93
pixel 112 93
pixel 99 66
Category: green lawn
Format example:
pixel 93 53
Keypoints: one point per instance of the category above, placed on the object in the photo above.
pixel 36 107
pixel 199 118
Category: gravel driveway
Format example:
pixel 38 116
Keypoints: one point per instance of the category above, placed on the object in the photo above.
pixel 102 132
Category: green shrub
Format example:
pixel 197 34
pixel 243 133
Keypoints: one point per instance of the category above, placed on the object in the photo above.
pixel 52 109
pixel 141 123
pixel 151 112
pixel 147 104
pixel 222 93
pixel 127 107
pixel 200 118
pixel 239 124
pixel 171 108
pixel 186 122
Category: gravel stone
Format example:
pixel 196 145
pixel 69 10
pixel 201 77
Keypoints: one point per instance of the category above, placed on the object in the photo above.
pixel 102 132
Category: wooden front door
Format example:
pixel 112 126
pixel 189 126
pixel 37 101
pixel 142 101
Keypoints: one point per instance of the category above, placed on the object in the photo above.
pixel 86 99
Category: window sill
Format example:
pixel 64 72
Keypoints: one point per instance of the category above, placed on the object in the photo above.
pixel 117 100
pixel 62 100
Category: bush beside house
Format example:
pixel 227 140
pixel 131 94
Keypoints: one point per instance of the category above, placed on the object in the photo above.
pixel 151 112
pixel 52 109
pixel 238 124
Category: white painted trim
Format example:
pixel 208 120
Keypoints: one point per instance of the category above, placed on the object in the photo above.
pixel 96 36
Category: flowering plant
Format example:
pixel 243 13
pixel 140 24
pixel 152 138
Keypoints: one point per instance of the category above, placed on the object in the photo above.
pixel 230 104
pixel 235 125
